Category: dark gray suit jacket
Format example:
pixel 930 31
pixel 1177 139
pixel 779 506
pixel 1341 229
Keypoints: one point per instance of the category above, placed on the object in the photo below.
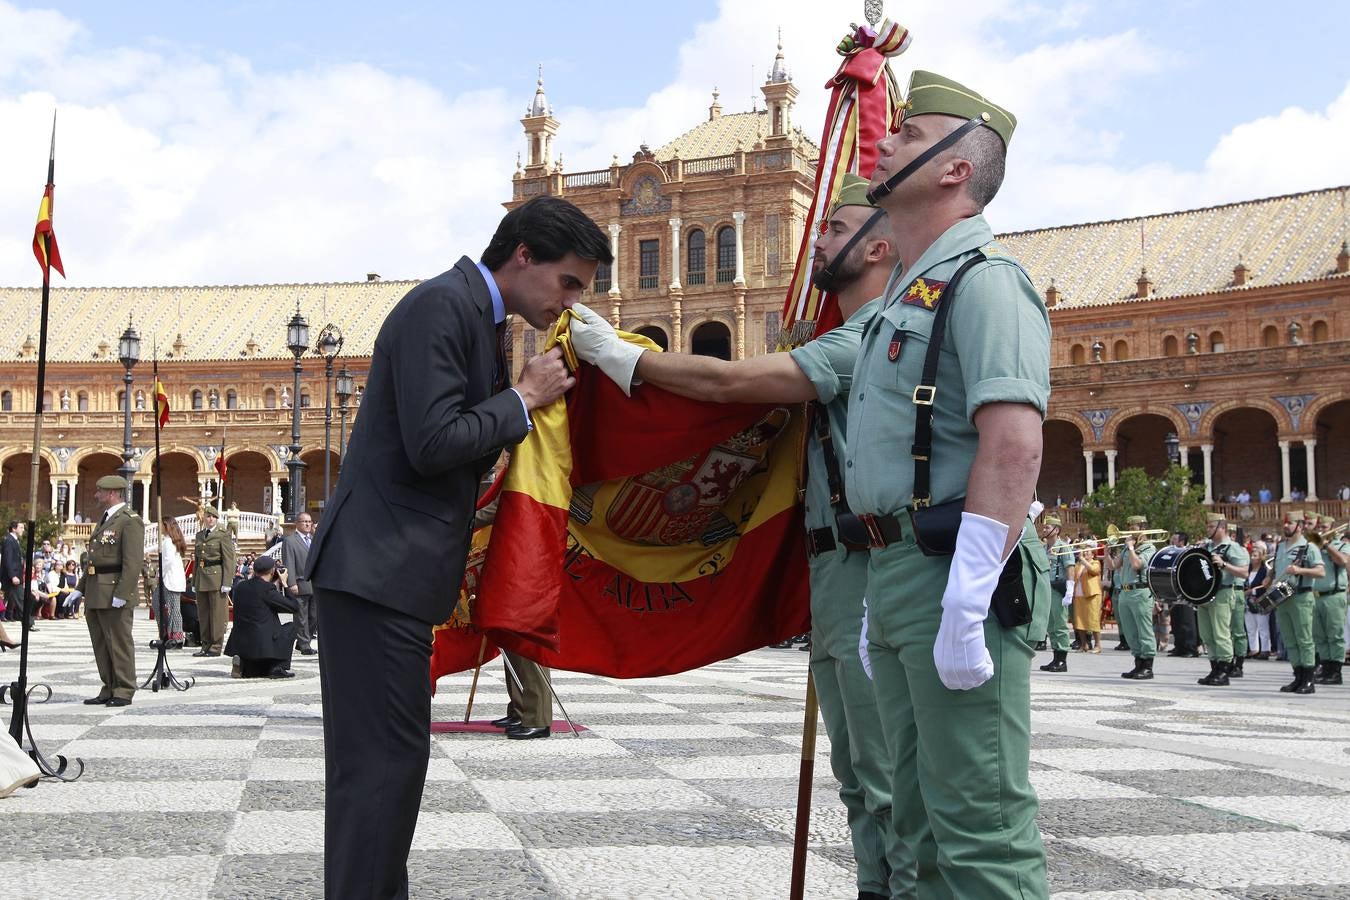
pixel 429 427
pixel 296 557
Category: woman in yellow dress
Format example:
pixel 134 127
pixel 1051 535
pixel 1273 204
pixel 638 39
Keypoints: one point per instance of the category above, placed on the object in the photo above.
pixel 1087 601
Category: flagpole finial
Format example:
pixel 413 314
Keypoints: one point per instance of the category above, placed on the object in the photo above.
pixel 872 11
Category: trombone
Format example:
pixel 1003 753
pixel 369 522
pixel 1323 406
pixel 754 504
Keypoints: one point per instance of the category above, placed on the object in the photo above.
pixel 1115 537
pixel 1317 538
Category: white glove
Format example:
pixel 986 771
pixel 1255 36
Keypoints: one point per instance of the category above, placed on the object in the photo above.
pixel 959 652
pixel 118 603
pixel 1068 594
pixel 595 342
pixel 862 644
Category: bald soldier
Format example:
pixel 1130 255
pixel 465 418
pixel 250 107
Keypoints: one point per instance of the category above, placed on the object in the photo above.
pixel 111 568
pixel 853 256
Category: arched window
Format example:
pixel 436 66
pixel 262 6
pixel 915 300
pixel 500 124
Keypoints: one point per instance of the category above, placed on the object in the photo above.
pixel 82 401
pixel 231 399
pixel 697 256
pixel 726 254
pixel 1170 347
pixel 1320 332
pixel 1121 351
pixel 196 399
pixel 657 334
pixel 1078 355
pixel 1216 344
pixel 6 401
pixel 1270 336
pixel 269 399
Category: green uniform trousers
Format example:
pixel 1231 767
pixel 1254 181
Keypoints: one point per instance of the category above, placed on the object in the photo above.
pixel 857 743
pixel 1238 626
pixel 1295 618
pixel 1216 622
pixel 1061 638
pixel 114 650
pixel 532 702
pixel 1329 627
pixel 959 758
pixel 1134 612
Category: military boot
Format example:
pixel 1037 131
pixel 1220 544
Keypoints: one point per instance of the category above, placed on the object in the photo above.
pixel 1235 667
pixel 1331 674
pixel 1142 671
pixel 1298 680
pixel 1059 663
pixel 1218 674
pixel 1306 685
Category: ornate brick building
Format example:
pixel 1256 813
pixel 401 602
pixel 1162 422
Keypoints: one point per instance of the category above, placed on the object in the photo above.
pixel 1228 326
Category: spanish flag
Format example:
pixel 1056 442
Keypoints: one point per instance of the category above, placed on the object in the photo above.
pixel 44 229
pixel 161 403
pixel 639 536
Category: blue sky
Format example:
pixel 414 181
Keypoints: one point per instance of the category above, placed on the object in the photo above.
pixel 278 141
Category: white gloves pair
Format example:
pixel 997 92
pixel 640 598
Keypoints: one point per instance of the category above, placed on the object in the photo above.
pixel 960 654
pixel 1068 594
pixel 118 603
pixel 596 342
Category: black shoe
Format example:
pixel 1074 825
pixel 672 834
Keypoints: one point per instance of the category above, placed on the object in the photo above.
pixel 1295 684
pixel 97 701
pixel 1142 671
pixel 1235 667
pixel 1331 673
pixel 1040 646
pixel 1218 675
pixel 1306 686
pixel 1122 646
pixel 507 721
pixel 1076 645
pixel 526 733
pixel 120 701
pixel 307 651
pixel 806 646
pixel 202 652
pixel 281 673
pixel 1058 664
pixel 782 645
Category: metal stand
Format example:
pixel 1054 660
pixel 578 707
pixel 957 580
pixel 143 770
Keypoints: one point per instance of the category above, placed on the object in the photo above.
pixel 21 701
pixel 161 676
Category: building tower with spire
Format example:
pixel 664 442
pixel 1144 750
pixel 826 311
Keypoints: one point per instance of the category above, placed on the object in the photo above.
pixel 540 129
pixel 779 95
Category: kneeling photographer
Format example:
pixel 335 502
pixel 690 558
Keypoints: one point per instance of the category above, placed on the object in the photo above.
pixel 262 643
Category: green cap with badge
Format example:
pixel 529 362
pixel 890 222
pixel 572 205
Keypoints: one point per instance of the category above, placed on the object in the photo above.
pixel 932 93
pixel 1052 521
pixel 211 511
pixel 1214 517
pixel 111 483
pixel 852 192
pixel 1136 520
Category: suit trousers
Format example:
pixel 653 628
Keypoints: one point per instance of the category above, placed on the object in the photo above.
pixel 373 671
pixel 212 613
pixel 532 702
pixel 306 621
pixel 1185 628
pixel 114 650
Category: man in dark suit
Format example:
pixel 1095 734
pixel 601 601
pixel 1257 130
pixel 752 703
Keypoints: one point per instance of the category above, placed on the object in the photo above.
pixel 11 570
pixel 258 638
pixel 389 556
pixel 295 550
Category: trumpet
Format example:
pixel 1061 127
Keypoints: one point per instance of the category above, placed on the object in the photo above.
pixel 1115 537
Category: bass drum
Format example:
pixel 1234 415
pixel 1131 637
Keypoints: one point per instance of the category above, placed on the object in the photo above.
pixel 1183 574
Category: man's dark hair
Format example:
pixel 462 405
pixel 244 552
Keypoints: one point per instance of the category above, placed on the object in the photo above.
pixel 551 228
pixel 13 524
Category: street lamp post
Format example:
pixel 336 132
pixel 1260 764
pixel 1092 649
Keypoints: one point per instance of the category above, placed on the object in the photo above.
pixel 129 352
pixel 1173 445
pixel 345 389
pixel 297 341
pixel 329 346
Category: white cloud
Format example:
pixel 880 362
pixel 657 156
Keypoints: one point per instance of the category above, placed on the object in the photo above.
pixel 177 167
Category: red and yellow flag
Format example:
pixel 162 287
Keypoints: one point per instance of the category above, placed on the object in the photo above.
pixel 161 403
pixel 638 537
pixel 44 236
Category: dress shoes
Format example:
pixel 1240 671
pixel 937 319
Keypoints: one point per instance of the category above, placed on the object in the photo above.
pixel 306 651
pixel 202 652
pixel 505 722
pixel 97 701
pixel 525 732
pixel 120 701
pixel 281 673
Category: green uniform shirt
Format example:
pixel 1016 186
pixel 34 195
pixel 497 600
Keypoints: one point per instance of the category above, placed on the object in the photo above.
pixel 1060 559
pixel 828 362
pixel 1130 578
pixel 1235 555
pixel 996 348
pixel 1284 555
pixel 1118 573
pixel 1334 579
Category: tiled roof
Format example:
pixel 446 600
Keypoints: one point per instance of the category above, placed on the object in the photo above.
pixel 721 136
pixel 216 321
pixel 1281 240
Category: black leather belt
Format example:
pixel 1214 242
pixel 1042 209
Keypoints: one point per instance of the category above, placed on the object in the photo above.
pixel 882 530
pixel 819 540
pixel 104 570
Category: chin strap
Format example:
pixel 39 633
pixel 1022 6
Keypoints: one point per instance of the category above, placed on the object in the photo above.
pixel 824 279
pixel 890 184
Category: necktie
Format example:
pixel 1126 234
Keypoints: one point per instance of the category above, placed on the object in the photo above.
pixel 499 373
pixel 306 538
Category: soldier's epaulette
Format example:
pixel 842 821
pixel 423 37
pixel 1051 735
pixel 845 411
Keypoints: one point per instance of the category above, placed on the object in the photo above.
pixel 995 250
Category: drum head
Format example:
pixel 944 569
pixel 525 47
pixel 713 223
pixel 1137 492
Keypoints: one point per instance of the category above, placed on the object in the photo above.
pixel 1197 582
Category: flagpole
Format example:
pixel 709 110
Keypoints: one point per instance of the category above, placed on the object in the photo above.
pixel 804 779
pixel 161 676
pixel 19 723
pixel 473 688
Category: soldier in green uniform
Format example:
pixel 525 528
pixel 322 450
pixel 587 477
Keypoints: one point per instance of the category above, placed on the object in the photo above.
pixel 1134 600
pixel 954 368
pixel 212 578
pixel 1297 563
pixel 110 570
pixel 1230 561
pixel 853 257
pixel 1329 619
pixel 1060 560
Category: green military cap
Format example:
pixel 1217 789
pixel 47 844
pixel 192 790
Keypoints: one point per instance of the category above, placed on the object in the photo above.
pixel 111 483
pixel 1326 521
pixel 1136 520
pixel 931 93
pixel 1053 521
pixel 211 511
pixel 1294 515
pixel 852 192
pixel 1214 517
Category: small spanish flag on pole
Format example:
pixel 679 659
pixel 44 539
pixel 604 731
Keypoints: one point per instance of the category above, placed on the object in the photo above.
pixel 44 237
pixel 161 401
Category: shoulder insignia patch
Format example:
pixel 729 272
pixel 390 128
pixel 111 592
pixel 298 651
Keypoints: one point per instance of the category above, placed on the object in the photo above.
pixel 927 294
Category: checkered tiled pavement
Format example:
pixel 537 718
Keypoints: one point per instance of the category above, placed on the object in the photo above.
pixel 684 787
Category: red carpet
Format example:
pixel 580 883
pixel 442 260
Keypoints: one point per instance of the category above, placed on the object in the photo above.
pixel 483 726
